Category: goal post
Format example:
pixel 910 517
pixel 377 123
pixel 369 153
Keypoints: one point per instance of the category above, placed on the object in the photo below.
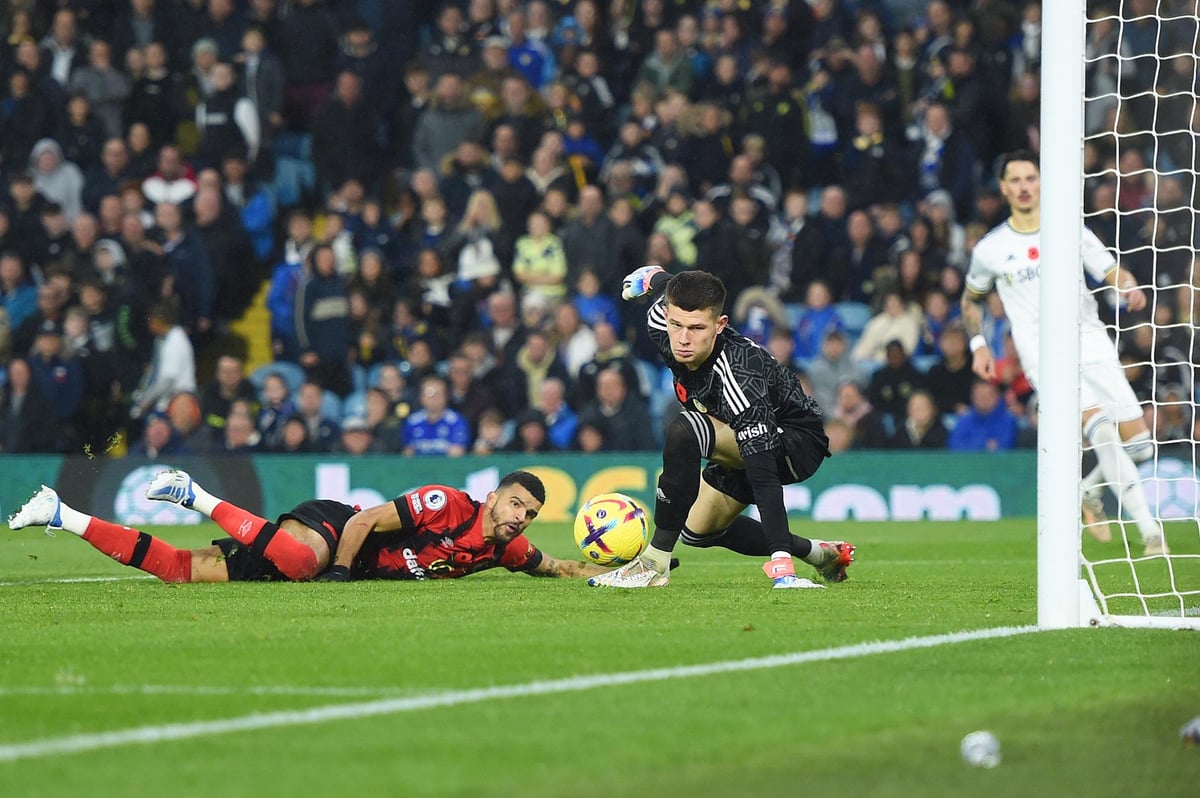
pixel 1059 550
pixel 1121 587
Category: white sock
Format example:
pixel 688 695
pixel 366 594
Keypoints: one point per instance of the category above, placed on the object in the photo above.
pixel 72 520
pixel 204 502
pixel 1093 479
pixel 816 554
pixel 781 555
pixel 659 558
pixel 1122 476
pixel 1140 447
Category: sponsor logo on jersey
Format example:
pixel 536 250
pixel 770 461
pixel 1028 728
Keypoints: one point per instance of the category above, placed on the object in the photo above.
pixel 448 542
pixel 752 432
pixel 412 564
pixel 435 500
pixel 415 501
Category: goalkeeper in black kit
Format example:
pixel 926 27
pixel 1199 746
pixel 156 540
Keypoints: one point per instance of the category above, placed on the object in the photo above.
pixel 747 416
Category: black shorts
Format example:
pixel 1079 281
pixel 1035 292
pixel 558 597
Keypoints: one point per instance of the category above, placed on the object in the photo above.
pixel 326 518
pixel 799 457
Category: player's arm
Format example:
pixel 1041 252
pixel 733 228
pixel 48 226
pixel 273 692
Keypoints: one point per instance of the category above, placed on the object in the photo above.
pixel 569 569
pixel 380 518
pixel 1126 284
pixel 982 362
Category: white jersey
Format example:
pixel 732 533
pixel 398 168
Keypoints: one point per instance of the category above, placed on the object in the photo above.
pixel 1011 262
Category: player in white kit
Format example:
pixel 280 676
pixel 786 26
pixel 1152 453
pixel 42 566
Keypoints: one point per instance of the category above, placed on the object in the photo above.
pixel 1008 259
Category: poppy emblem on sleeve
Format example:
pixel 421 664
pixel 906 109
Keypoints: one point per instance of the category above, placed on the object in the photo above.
pixel 681 393
pixel 1033 253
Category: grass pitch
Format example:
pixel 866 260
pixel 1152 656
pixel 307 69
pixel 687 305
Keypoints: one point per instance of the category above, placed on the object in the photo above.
pixel 230 671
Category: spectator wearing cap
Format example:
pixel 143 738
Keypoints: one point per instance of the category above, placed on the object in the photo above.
pixel 59 378
pixel 449 120
pixel 27 422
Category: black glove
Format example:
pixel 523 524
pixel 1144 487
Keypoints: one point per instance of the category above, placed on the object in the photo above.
pixel 336 573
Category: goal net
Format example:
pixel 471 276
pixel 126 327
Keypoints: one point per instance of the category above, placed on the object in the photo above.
pixel 1139 124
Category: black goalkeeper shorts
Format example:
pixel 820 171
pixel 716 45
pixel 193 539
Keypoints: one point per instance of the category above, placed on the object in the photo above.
pixel 326 518
pixel 799 457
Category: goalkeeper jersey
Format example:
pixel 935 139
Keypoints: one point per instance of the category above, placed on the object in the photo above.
pixel 742 385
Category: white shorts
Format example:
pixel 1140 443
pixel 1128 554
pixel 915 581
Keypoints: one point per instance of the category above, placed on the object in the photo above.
pixel 1102 381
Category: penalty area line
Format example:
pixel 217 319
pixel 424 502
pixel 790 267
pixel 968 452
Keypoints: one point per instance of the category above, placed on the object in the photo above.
pixel 77 743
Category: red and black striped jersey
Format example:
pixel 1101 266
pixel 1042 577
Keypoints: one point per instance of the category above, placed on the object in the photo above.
pixel 441 537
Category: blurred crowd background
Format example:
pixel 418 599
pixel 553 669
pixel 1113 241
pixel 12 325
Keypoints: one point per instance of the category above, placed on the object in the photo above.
pixel 388 225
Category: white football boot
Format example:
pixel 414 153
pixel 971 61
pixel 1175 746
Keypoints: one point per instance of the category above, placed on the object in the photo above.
pixel 639 572
pixel 42 509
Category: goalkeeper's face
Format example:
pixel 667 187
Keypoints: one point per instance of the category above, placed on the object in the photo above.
pixel 1022 186
pixel 693 334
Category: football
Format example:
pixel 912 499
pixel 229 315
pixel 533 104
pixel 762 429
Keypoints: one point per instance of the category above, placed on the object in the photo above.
pixel 611 529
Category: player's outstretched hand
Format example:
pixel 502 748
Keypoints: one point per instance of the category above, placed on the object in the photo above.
pixel 637 282
pixel 336 573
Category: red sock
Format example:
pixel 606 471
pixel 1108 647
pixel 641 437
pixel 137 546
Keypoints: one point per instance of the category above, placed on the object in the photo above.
pixel 294 559
pixel 139 550
pixel 241 525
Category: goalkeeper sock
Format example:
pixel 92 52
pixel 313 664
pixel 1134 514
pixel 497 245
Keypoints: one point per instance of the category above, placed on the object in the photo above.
pixel 295 560
pixel 744 536
pixel 688 438
pixel 139 550
pixel 1122 475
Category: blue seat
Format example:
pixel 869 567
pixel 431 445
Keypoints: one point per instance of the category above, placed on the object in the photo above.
pixel 354 405
pixel 855 316
pixel 923 363
pixel 292 374
pixel 331 405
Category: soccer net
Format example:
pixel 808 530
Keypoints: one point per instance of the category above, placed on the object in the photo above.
pixel 1141 142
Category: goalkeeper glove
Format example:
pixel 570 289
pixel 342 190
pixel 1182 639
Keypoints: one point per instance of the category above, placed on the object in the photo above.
pixel 336 573
pixel 637 282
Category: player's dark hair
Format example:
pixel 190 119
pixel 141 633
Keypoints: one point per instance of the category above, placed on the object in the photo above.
pixel 696 290
pixel 1016 155
pixel 527 481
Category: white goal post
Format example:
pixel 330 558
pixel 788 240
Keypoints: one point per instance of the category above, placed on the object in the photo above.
pixel 1118 586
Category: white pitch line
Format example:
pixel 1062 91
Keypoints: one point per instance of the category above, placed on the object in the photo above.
pixel 203 690
pixel 71 580
pixel 389 706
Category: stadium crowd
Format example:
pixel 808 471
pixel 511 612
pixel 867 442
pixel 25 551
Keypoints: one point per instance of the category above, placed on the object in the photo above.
pixel 443 198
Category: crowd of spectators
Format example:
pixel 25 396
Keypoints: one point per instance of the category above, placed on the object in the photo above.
pixel 443 197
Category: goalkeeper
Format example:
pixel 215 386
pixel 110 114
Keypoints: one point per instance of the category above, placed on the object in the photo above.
pixel 433 532
pixel 1008 258
pixel 745 414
